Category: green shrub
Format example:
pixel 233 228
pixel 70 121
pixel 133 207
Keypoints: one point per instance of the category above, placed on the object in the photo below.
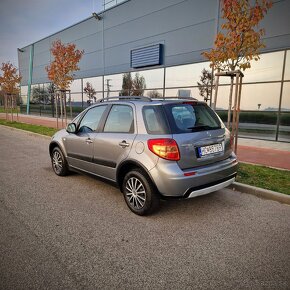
pixel 269 118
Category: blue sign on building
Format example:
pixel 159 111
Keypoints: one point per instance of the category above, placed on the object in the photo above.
pixel 147 56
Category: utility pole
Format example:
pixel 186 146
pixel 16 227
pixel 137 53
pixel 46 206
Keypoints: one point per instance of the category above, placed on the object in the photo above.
pixel 108 87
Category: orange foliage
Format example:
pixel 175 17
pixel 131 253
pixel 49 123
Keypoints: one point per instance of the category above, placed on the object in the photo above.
pixel 10 80
pixel 66 59
pixel 242 39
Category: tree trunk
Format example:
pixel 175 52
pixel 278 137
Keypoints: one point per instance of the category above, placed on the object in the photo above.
pixel 238 112
pixel 234 122
pixel 230 103
pixel 70 105
pixel 64 105
pixel 12 105
pixel 6 105
pixel 216 92
pixel 52 104
pixel 56 109
pixel 61 108
pixel 17 108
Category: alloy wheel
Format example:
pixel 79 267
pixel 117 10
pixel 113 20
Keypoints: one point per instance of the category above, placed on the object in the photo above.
pixel 135 193
pixel 57 162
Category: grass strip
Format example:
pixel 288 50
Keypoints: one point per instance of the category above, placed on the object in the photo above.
pixel 264 177
pixel 29 127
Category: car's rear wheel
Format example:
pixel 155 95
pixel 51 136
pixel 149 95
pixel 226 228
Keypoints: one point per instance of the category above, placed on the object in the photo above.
pixel 59 163
pixel 139 193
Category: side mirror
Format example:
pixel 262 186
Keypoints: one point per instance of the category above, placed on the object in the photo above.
pixel 71 128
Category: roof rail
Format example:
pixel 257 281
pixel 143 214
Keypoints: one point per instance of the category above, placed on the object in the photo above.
pixel 175 98
pixel 120 98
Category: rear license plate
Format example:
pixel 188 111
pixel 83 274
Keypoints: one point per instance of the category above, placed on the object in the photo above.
pixel 210 149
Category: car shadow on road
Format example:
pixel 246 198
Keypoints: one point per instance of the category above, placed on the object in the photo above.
pixel 201 205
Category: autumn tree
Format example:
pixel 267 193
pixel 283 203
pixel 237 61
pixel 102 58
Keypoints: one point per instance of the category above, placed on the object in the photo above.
pixel 237 44
pixel 154 94
pixel 61 69
pixel 90 92
pixel 206 84
pixel 139 85
pixel 133 86
pixel 127 84
pixel 9 83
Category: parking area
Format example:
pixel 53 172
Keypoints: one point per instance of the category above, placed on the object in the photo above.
pixel 76 232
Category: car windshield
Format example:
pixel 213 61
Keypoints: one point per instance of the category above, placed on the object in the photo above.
pixel 192 117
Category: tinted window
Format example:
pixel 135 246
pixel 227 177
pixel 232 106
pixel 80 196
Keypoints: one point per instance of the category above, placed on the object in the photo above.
pixel 120 120
pixel 191 118
pixel 91 120
pixel 154 120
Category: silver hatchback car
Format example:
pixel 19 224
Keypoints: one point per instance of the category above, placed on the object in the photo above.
pixel 152 149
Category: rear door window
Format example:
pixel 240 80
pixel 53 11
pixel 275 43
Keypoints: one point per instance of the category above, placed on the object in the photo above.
pixel 120 120
pixel 186 118
pixel 154 120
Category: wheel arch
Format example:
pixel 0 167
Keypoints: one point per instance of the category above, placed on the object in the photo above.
pixel 54 144
pixel 129 165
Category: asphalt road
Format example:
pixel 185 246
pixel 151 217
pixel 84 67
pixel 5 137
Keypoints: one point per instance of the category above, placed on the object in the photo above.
pixel 76 232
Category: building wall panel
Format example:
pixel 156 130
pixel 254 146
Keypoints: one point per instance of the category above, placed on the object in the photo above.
pixel 184 27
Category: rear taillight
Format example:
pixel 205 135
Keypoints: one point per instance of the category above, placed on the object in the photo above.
pixel 164 148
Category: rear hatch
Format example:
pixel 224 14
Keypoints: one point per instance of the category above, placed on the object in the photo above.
pixel 201 136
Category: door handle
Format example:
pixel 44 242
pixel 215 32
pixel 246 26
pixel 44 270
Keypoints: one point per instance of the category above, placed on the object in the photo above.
pixel 124 144
pixel 89 141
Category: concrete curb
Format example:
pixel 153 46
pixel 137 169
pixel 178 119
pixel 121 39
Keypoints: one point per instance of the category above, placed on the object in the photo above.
pixel 28 132
pixel 260 192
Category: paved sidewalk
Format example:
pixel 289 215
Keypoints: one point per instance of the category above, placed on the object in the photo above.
pixel 265 156
pixel 37 120
pixel 263 152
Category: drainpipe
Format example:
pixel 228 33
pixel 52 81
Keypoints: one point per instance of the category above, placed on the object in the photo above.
pixel 30 78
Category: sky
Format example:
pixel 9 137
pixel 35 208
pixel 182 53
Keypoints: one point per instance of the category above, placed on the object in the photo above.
pixel 23 22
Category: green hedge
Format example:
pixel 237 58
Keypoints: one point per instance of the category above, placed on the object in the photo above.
pixel 36 109
pixel 269 118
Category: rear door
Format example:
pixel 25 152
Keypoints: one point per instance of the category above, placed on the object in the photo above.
pixel 201 137
pixel 114 142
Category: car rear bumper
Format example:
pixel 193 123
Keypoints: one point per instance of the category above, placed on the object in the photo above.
pixel 193 192
pixel 171 181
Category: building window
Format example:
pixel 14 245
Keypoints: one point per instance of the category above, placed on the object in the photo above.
pixel 184 75
pixel 183 93
pixel 113 83
pixel 97 83
pixel 287 67
pixel 268 68
pixel 153 78
pixel 76 86
pixel 284 127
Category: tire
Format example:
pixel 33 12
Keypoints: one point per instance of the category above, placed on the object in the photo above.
pixel 139 193
pixel 58 162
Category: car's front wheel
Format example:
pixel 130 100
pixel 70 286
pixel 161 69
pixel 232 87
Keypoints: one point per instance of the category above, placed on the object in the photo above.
pixel 59 163
pixel 139 193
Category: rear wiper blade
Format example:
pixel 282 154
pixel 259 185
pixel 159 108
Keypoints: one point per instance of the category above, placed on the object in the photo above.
pixel 201 128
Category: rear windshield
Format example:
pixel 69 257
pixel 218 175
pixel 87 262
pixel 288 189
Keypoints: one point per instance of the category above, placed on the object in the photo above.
pixel 191 117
